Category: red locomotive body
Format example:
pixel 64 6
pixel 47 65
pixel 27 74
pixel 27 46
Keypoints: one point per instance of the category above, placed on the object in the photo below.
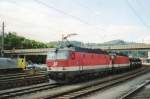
pixel 69 63
pixel 72 60
pixel 121 61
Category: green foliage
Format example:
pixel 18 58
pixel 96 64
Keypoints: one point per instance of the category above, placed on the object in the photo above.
pixel 13 41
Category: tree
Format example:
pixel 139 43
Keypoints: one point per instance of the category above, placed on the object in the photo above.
pixel 12 40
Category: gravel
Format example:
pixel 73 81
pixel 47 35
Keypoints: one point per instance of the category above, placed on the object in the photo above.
pixel 117 91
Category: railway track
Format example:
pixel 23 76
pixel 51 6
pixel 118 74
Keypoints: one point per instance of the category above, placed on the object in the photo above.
pixel 50 91
pixel 18 75
pixel 25 72
pixel 131 94
pixel 96 86
pixel 26 90
pixel 21 79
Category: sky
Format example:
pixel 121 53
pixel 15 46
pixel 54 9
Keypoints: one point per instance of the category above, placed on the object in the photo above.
pixel 95 21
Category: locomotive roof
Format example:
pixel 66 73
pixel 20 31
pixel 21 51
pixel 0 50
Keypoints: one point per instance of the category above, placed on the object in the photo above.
pixel 89 50
pixel 115 53
pixel 79 49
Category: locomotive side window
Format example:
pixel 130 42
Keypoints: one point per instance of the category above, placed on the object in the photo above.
pixel 59 55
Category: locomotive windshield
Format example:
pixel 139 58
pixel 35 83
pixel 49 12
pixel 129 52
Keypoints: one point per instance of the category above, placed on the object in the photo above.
pixel 53 55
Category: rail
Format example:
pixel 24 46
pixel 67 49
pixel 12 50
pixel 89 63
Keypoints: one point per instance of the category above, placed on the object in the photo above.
pixel 26 90
pixel 93 87
pixel 21 80
pixel 126 96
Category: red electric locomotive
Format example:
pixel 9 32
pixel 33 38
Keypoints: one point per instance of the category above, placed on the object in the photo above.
pixel 66 64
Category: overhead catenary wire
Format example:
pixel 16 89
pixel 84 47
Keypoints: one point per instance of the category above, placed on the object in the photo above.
pixel 61 11
pixel 67 14
pixel 92 11
pixel 22 21
pixel 88 8
pixel 137 15
pixel 13 17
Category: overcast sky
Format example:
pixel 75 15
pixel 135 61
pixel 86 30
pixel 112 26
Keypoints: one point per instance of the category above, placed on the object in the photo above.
pixel 95 21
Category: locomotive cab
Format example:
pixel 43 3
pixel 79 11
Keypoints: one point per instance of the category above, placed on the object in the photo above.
pixel 58 63
pixel 58 59
pixel 58 55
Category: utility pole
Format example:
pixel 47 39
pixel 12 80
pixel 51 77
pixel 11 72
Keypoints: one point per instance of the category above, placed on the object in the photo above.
pixel 2 43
